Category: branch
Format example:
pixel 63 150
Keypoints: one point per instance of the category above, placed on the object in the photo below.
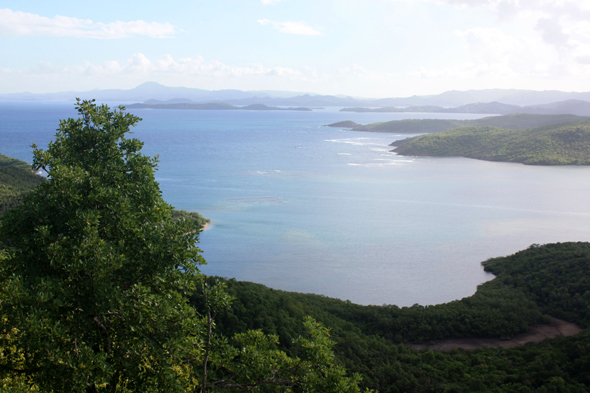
pixel 105 333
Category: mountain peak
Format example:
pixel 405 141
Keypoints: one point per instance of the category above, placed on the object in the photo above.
pixel 149 86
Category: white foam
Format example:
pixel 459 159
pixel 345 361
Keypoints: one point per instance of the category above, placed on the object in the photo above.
pixel 380 164
pixel 355 141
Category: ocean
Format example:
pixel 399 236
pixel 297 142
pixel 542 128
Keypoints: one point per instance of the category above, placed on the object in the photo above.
pixel 301 207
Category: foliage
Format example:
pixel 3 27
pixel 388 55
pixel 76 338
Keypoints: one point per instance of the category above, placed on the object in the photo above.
pixel 95 276
pixel 96 269
pixel 565 144
pixel 556 276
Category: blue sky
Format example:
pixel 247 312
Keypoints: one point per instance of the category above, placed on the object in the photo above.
pixel 369 48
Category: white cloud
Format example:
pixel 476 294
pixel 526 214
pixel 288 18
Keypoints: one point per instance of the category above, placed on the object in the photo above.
pixel 267 2
pixel 291 27
pixel 531 39
pixel 190 72
pixel 23 23
pixel 139 66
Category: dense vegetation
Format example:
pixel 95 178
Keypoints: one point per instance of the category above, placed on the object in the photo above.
pixel 551 279
pixel 519 121
pixel 16 180
pixel 556 277
pixel 564 144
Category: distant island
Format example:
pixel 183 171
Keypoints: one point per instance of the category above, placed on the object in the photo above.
pixel 562 144
pixel 574 107
pixel 155 104
pixel 518 121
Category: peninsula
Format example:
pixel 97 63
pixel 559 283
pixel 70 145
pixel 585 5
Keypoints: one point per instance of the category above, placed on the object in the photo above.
pixel 562 144
pixel 518 121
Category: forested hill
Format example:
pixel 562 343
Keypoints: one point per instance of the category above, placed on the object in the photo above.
pixel 564 144
pixel 519 121
pixel 16 180
pixel 542 281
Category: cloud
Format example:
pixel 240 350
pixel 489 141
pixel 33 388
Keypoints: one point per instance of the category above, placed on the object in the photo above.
pixel 190 72
pixel 552 32
pixel 23 24
pixel 531 39
pixel 140 66
pixel 290 27
pixel 267 2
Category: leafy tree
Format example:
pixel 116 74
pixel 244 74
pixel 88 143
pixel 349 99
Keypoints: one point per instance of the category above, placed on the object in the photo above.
pixel 96 273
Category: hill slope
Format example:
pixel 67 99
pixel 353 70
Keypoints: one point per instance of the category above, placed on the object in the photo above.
pixel 16 180
pixel 564 144
pixel 517 121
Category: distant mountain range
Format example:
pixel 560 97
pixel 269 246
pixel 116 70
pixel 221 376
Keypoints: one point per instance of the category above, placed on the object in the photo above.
pixel 151 90
pixel 180 104
pixel 574 107
pixel 156 91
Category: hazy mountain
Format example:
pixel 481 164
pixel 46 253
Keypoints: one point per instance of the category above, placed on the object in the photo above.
pixel 454 98
pixel 573 107
pixel 150 91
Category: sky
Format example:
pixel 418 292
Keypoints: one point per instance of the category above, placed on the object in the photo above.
pixel 361 48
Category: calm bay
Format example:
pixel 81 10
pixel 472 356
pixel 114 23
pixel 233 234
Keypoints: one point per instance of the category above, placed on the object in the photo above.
pixel 301 207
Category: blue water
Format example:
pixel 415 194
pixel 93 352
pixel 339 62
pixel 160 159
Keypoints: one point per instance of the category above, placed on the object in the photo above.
pixel 305 208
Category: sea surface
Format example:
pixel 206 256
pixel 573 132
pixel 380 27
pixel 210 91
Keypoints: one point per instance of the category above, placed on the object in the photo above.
pixel 301 207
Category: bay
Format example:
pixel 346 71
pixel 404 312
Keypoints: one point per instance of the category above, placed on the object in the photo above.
pixel 301 207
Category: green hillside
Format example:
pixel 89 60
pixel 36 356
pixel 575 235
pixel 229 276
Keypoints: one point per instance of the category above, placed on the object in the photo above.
pixel 564 144
pixel 542 280
pixel 412 126
pixel 518 121
pixel 16 180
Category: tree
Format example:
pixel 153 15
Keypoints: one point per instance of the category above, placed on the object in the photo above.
pixel 96 274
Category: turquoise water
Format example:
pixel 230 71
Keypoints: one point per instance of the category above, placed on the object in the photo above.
pixel 305 208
